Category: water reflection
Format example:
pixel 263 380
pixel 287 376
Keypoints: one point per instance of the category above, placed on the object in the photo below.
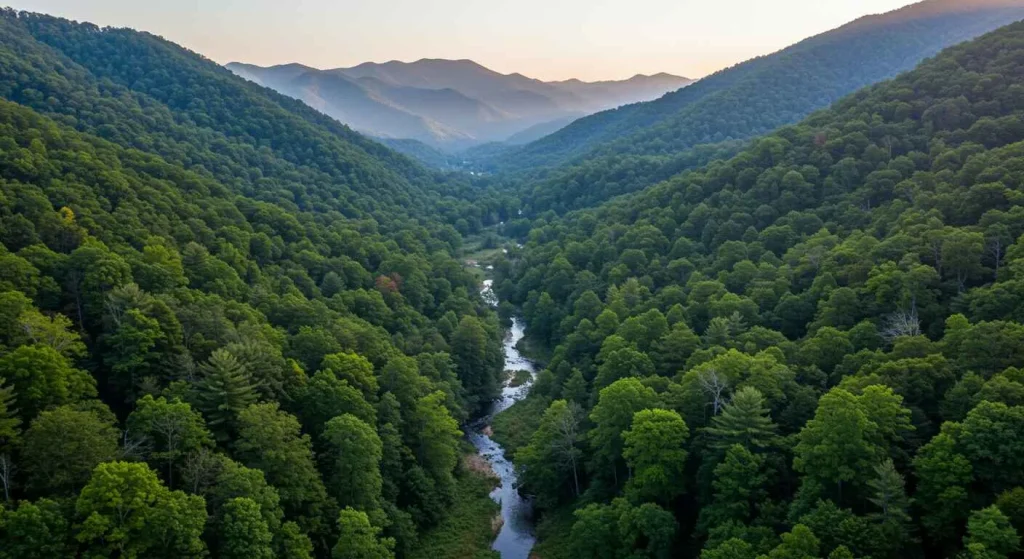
pixel 516 538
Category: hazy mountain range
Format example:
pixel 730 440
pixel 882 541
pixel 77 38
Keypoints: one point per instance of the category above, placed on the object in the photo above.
pixel 451 104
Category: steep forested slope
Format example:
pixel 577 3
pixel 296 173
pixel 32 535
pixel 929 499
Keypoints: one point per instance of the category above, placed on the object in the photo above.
pixel 228 324
pixel 812 349
pixel 142 92
pixel 626 149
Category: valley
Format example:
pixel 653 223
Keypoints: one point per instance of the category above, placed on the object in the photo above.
pixel 414 310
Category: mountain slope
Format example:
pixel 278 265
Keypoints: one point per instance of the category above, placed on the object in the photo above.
pixel 448 103
pixel 741 102
pixel 864 265
pixel 152 95
pixel 185 252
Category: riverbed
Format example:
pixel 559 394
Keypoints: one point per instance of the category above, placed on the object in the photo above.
pixel 516 538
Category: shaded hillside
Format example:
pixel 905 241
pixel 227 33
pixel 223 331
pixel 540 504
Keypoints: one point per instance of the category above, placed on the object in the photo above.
pixel 595 158
pixel 223 307
pixel 812 349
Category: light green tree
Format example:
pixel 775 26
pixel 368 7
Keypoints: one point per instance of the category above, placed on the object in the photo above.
pixel 655 455
pixel 125 511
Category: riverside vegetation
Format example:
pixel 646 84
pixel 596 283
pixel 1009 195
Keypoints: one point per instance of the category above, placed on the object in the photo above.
pixel 232 327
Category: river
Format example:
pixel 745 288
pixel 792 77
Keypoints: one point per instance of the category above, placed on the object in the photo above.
pixel 516 538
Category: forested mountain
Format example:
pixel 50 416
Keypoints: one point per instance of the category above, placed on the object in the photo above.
pixel 626 149
pixel 812 349
pixel 229 325
pixel 451 104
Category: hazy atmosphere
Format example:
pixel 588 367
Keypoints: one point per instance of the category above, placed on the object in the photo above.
pixel 542 39
pixel 454 279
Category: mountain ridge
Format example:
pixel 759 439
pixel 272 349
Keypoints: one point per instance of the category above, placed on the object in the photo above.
pixel 628 148
pixel 428 100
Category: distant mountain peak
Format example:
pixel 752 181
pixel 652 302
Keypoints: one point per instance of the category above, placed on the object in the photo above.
pixel 451 103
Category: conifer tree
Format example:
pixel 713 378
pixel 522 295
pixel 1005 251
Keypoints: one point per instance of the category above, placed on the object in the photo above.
pixel 743 421
pixel 223 392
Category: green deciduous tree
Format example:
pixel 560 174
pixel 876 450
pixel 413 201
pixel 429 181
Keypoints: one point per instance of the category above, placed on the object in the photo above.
pixel 42 378
pixel 63 446
pixel 990 535
pixel 655 455
pixel 171 429
pixel 125 511
pixel 243 532
pixel 944 476
pixel 549 464
pixel 271 440
pixel 353 452
pixel 358 539
pixel 326 396
pixel 800 543
pixel 622 531
pixel 613 414
pixel 35 530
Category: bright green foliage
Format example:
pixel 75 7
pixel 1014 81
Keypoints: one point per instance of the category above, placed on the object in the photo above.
pixel 63 446
pixel 223 391
pixel 270 440
pixel 655 455
pixel 439 432
pixel 42 377
pixel 243 533
pixel 734 548
pixel 35 530
pixel 990 535
pixel 326 396
pixel 125 511
pixel 623 363
pixel 171 430
pixel 211 242
pixel 353 452
pixel 550 465
pixel 992 438
pixel 291 543
pixel 231 480
pixel 800 543
pixel 358 539
pixel 476 361
pixel 744 421
pixel 834 446
pixel 848 434
pixel 944 476
pixel 613 415
pixel 356 370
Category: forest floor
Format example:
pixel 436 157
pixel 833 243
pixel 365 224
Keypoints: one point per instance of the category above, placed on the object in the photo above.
pixel 469 527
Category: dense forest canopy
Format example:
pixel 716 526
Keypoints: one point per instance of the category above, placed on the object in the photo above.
pixel 223 308
pixel 632 147
pixel 812 349
pixel 232 327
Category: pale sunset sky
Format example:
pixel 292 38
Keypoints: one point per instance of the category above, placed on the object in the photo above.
pixel 545 39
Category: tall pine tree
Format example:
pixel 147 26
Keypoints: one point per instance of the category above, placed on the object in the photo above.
pixel 223 391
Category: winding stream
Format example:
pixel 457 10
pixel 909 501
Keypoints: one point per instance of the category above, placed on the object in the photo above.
pixel 516 538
